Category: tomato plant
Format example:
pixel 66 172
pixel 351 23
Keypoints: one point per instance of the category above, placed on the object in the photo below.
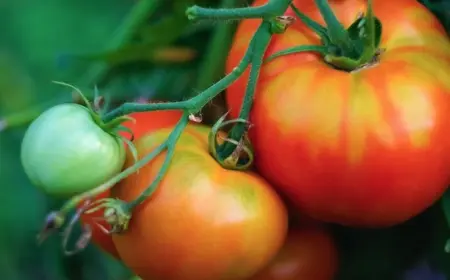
pixel 63 146
pixel 144 123
pixel 368 147
pixel 308 253
pixel 203 221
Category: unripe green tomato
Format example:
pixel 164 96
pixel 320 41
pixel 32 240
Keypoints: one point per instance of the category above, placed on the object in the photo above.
pixel 65 152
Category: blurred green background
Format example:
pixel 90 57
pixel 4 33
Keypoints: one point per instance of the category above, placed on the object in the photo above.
pixel 144 49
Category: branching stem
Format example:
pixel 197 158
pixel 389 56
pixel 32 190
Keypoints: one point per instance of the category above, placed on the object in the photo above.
pixel 169 145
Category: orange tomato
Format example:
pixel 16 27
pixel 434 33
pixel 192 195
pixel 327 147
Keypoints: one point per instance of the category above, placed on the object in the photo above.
pixel 308 253
pixel 367 148
pixel 145 122
pixel 203 222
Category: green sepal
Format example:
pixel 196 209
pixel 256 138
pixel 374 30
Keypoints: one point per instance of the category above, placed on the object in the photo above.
pixel 126 129
pixel 354 30
pixel 234 161
pixel 132 148
pixel 297 49
pixel 112 125
pixel 320 30
pixel 343 62
pixel 336 32
pixel 115 212
pixel 77 90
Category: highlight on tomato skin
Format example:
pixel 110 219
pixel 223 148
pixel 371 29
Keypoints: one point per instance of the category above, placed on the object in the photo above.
pixel 309 252
pixel 203 222
pixel 368 148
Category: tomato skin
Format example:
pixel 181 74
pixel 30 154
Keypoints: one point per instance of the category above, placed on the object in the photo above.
pixel 203 222
pixel 145 122
pixel 368 148
pixel 150 121
pixel 308 253
pixel 63 146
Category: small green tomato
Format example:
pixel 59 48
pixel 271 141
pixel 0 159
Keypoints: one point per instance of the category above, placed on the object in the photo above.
pixel 65 152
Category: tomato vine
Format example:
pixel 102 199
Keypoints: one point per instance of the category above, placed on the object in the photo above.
pixel 347 49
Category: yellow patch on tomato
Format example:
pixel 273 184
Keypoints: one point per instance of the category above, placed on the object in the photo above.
pixel 325 115
pixel 365 117
pixel 409 36
pixel 432 65
pixel 287 95
pixel 412 102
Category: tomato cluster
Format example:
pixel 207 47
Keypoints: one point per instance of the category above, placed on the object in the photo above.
pixel 205 222
pixel 367 148
pixel 364 148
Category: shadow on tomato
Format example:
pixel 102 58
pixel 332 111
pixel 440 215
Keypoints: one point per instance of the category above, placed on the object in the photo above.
pixel 308 253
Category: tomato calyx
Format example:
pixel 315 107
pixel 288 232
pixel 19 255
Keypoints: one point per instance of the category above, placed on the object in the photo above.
pixel 115 212
pixel 242 156
pixel 112 127
pixel 351 49
pixel 95 110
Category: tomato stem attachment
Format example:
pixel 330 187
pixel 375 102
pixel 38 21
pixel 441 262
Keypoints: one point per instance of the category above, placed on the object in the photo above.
pixel 169 145
pixel 337 33
pixel 351 49
pixel 257 50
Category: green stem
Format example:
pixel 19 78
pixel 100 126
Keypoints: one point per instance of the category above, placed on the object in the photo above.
pixel 297 49
pixel 169 144
pixel 336 31
pixel 72 203
pixel 128 108
pixel 213 63
pixel 315 26
pixel 191 106
pixel 272 9
pixel 262 39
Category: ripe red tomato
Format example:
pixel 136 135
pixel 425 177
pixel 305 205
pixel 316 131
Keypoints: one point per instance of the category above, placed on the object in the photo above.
pixel 203 222
pixel 367 148
pixel 145 122
pixel 308 253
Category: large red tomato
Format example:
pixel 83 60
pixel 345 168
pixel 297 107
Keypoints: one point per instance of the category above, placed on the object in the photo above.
pixel 364 148
pixel 145 122
pixel 203 222
pixel 308 253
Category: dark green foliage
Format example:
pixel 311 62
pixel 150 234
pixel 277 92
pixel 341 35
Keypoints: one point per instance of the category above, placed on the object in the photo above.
pixel 77 42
